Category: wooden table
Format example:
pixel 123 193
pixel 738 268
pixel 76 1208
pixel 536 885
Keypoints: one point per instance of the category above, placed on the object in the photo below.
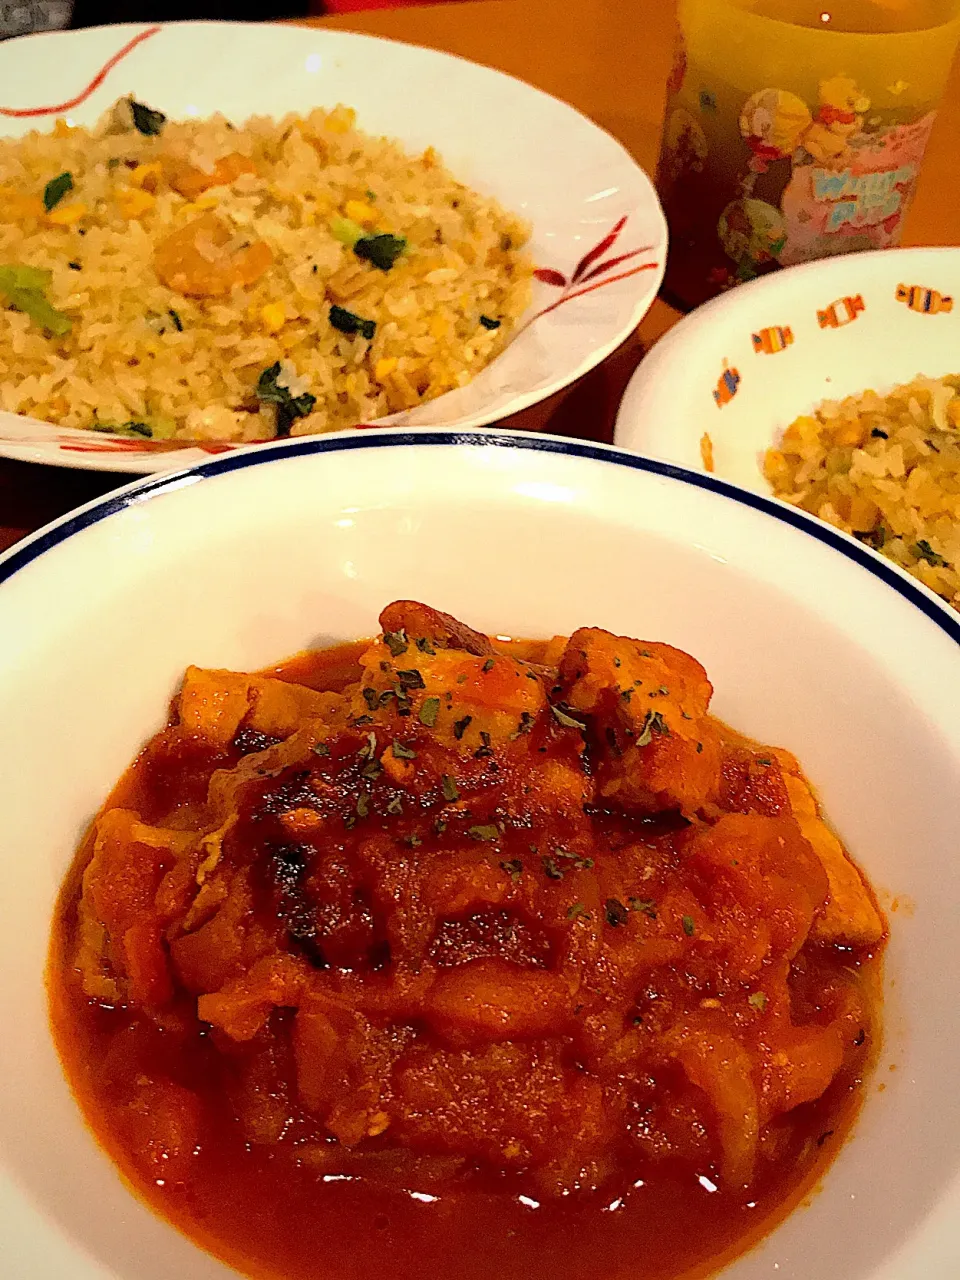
pixel 610 58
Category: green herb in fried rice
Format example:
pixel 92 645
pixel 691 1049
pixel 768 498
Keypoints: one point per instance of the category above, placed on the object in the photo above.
pixel 24 289
pixel 56 189
pixel 145 119
pixel 347 322
pixel 289 406
pixel 346 230
pixel 382 251
pixel 924 551
pixel 142 429
pixel 156 429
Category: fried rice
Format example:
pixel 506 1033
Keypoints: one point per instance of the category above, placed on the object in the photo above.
pixel 196 280
pixel 887 470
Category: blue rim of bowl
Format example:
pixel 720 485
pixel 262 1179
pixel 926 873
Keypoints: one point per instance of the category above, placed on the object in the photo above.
pixel 18 557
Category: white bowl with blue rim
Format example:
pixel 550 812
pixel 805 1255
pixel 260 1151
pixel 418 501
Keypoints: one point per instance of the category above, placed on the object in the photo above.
pixel 812 642
pixel 741 368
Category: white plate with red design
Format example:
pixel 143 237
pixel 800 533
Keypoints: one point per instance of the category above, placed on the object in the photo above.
pixel 718 391
pixel 599 237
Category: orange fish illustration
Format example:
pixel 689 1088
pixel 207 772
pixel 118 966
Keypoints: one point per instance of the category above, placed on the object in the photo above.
pixel 706 451
pixel 726 387
pixel 918 298
pixel 843 311
pixel 772 340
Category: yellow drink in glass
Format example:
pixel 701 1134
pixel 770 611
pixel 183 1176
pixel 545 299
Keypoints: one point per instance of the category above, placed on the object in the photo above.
pixel 795 130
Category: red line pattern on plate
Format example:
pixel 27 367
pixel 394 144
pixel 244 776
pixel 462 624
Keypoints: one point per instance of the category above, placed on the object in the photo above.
pixel 599 250
pixel 578 284
pixel 598 284
pixel 585 272
pixel 137 446
pixel 547 275
pixel 22 113
pixel 609 265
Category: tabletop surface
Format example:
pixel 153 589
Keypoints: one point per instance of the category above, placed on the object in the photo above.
pixel 610 59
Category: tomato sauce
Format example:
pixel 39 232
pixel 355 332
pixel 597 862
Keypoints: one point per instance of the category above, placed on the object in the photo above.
pixel 209 1127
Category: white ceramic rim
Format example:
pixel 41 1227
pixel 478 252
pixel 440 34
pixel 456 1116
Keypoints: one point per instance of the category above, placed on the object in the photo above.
pixel 51 535
pixel 646 407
